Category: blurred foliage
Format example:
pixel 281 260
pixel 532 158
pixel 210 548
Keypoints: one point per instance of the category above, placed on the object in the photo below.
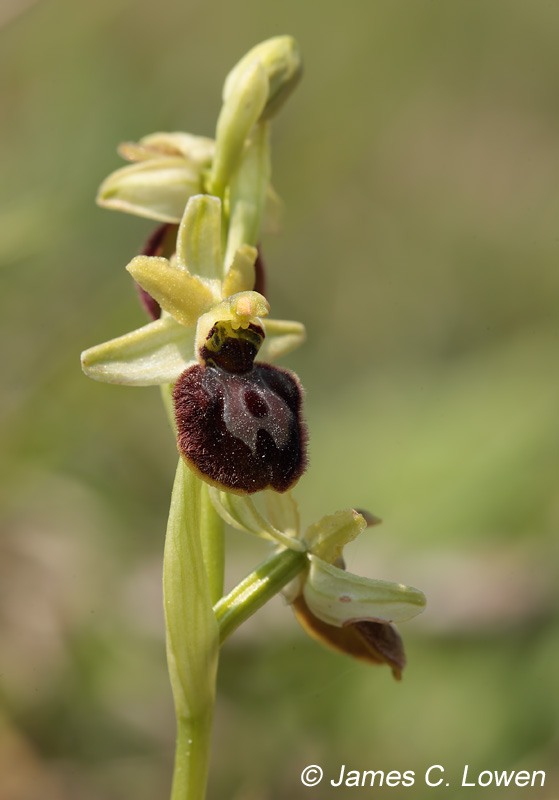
pixel 419 165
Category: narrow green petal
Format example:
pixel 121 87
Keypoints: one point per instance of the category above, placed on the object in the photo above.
pixel 338 597
pixel 241 276
pixel 327 537
pixel 282 336
pixel 240 512
pixel 156 188
pixel 182 295
pixel 157 353
pixel 199 237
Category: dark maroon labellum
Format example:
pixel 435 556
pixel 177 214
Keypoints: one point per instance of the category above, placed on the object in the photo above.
pixel 241 429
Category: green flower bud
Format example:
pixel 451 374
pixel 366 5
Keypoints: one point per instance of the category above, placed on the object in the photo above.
pixel 240 112
pixel 281 59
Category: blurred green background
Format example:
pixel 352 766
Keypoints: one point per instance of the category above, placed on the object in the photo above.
pixel 419 164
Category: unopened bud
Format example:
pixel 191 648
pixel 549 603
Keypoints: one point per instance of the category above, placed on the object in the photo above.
pixel 281 59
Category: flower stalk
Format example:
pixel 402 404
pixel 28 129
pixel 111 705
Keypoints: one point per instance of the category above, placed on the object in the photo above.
pixel 256 589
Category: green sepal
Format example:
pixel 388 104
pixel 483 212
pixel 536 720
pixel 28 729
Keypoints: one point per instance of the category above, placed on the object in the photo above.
pixel 156 353
pixel 157 188
pixel 339 597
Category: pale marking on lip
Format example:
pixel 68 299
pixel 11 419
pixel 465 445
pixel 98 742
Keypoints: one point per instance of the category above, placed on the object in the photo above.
pixel 242 424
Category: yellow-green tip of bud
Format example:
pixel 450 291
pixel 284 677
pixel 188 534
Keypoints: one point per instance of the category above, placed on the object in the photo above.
pixel 281 59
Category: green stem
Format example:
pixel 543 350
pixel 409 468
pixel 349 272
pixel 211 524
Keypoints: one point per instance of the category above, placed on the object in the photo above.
pixel 256 589
pixel 191 758
pixel 192 636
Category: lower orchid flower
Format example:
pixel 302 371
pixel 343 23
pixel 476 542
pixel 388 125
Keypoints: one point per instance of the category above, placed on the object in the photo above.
pixel 346 612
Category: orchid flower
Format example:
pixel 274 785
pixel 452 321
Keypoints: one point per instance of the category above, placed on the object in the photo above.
pixel 187 287
pixel 344 611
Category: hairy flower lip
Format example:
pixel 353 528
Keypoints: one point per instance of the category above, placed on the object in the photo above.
pixel 369 641
pixel 242 432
